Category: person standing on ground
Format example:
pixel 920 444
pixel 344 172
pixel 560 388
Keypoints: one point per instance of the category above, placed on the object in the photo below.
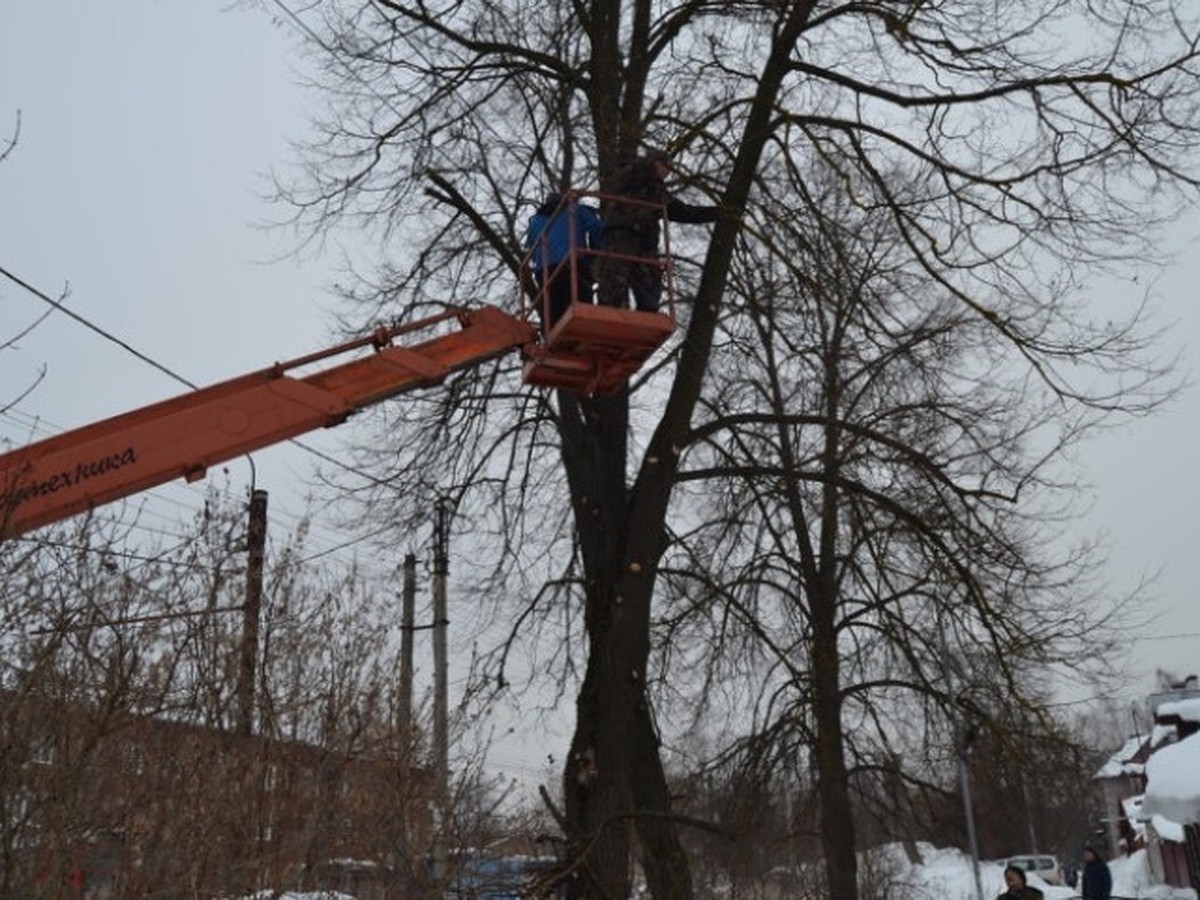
pixel 1096 883
pixel 630 262
pixel 550 244
pixel 1014 879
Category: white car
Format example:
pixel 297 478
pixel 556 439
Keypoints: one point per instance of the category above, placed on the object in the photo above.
pixel 1044 867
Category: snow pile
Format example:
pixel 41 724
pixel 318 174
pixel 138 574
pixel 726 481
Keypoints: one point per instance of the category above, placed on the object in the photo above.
pixel 944 874
pixel 1173 782
pixel 949 875
pixel 1132 878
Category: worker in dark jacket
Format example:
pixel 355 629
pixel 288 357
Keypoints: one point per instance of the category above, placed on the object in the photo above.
pixel 1096 883
pixel 1017 889
pixel 630 263
pixel 561 237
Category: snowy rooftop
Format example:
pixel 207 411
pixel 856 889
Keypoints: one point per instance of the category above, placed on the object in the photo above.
pixel 1131 758
pixel 1187 710
pixel 1120 763
pixel 1173 782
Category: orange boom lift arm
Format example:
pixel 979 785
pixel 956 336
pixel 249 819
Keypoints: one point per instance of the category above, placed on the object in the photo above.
pixel 182 437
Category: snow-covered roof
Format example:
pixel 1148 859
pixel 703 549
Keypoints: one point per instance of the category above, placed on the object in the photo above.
pixel 1123 761
pixel 1167 830
pixel 1188 710
pixel 1162 734
pixel 1173 782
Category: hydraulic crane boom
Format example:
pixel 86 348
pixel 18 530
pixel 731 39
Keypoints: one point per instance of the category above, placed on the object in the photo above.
pixel 182 437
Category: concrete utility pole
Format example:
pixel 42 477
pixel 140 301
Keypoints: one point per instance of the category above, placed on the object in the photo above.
pixel 961 747
pixel 441 742
pixel 256 539
pixel 1029 815
pixel 402 859
pixel 964 780
pixel 408 602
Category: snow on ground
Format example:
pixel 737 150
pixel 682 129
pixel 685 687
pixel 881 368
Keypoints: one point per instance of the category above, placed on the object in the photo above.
pixel 289 895
pixel 947 874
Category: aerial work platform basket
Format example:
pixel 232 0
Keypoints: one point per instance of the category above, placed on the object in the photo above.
pixel 592 348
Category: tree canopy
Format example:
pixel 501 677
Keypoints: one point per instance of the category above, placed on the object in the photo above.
pixel 846 468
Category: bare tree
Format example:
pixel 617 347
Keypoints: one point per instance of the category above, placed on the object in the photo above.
pixel 9 143
pixel 1010 160
pixel 124 767
pixel 878 507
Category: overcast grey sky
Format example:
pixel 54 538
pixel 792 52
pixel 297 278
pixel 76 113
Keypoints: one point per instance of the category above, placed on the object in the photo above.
pixel 145 141
pixel 145 138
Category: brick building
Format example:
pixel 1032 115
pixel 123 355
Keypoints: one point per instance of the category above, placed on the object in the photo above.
pixel 100 804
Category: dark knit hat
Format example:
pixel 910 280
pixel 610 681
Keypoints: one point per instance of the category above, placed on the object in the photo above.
pixel 550 204
pixel 659 156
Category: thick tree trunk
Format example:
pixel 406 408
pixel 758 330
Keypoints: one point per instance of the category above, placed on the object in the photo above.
pixel 668 872
pixel 596 792
pixel 833 782
pixel 614 777
pixel 614 780
pixel 596 787
pixel 833 786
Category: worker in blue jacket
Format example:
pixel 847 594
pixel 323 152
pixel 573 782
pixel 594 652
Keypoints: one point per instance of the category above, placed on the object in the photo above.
pixel 560 238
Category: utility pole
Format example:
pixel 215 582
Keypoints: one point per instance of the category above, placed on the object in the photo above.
pixel 961 748
pixel 405 733
pixel 1029 815
pixel 964 780
pixel 441 742
pixel 256 539
pixel 408 600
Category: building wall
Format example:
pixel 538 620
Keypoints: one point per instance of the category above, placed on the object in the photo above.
pixel 1181 861
pixel 117 806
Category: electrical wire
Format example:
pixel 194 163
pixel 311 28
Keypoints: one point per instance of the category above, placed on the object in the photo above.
pixel 36 423
pixel 92 326
pixel 58 306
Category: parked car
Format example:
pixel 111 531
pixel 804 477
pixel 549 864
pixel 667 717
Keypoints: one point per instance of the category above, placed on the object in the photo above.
pixel 1044 867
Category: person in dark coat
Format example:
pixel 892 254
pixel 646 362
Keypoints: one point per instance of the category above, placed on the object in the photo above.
pixel 1017 889
pixel 631 232
pixel 1096 883
pixel 550 243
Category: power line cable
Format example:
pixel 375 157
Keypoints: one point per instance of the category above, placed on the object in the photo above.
pixel 92 326
pixel 368 478
pixel 124 345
